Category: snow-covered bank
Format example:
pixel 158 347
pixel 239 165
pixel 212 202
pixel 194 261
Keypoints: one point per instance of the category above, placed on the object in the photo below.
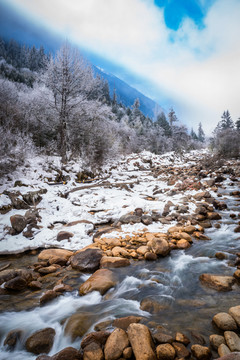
pixel 144 185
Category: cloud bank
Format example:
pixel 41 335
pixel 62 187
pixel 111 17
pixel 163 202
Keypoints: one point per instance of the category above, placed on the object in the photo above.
pixel 199 69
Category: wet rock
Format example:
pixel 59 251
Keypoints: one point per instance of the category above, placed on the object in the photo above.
pixel 235 313
pixel 41 341
pixel 220 256
pixel 124 322
pixel 224 321
pixel 18 223
pixel 151 305
pixel 165 352
pixel 78 324
pixel 48 254
pixel 116 343
pixel 16 284
pixel 142 250
pixel 99 337
pixel 12 338
pixel 181 350
pixel 198 338
pixel 183 244
pixel 113 262
pixel 231 356
pixel 68 353
pixel 162 338
pixel 141 342
pixel 102 280
pixel 7 275
pixel 60 288
pixel 159 247
pixel 216 341
pixel 201 352
pixel 64 235
pixel 35 285
pixel 87 260
pixel 179 337
pixel 237 274
pixel 44 357
pixel 48 269
pixel 223 350
pixel 237 229
pixel 232 340
pixel 149 256
pixel 213 216
pixel 48 296
pixel 217 282
pixel 128 219
pixel 93 351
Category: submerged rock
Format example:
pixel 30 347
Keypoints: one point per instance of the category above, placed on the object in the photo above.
pixel 217 282
pixel 41 341
pixel 12 338
pixel 102 280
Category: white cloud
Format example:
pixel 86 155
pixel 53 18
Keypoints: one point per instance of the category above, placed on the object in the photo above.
pixel 198 69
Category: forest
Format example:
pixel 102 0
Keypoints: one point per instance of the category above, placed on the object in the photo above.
pixel 56 105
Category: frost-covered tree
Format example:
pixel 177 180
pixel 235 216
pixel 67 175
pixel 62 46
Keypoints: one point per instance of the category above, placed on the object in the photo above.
pixel 172 117
pixel 164 124
pixel 226 122
pixel 201 134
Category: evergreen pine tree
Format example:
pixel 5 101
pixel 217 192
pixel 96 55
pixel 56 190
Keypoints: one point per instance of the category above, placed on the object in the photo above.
pixel 201 134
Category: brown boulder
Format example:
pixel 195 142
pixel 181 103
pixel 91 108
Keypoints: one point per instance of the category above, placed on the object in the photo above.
pixel 151 305
pixel 235 313
pixel 141 342
pixel 99 337
pixel 102 280
pixel 181 350
pixel 119 251
pixel 16 284
pixel 12 338
pixel 124 322
pixel 223 350
pixel 113 262
pixel 48 254
pixel 116 343
pixel 213 216
pixel 18 223
pixel 224 321
pixel 68 353
pixel 48 269
pixel 93 351
pixel 165 352
pixel 232 340
pixel 159 246
pixel 78 324
pixel 231 356
pixel 149 256
pixel 201 352
pixel 41 341
pixel 179 337
pixel 64 235
pixel 183 244
pixel 87 260
pixel 217 282
pixel 48 296
pixel 216 341
pixel 162 338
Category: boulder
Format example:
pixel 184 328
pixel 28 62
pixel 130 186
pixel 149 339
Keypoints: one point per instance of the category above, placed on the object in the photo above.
pixel 12 338
pixel 49 254
pixel 217 282
pixel 124 322
pixel 183 244
pixel 231 356
pixel 216 341
pixel 165 352
pixel 99 337
pixel 223 350
pixel 141 342
pixel 113 262
pixel 41 341
pixel 68 353
pixel 213 216
pixel 201 352
pixel 142 250
pixel 162 338
pixel 78 324
pixel 102 280
pixel 232 340
pixel 147 220
pixel 116 343
pixel 48 296
pixel 64 235
pixel 179 337
pixel 18 223
pixel 87 260
pixel 127 353
pixel 235 313
pixel 118 251
pixel 181 350
pixel 224 321
pixel 127 219
pixel 149 256
pixel 159 246
pixel 237 275
pixel 48 269
pixel 93 351
pixel 16 284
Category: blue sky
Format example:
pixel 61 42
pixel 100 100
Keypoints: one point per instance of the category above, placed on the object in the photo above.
pixel 183 53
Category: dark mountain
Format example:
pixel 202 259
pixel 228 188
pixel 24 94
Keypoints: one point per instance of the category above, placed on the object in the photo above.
pixel 127 94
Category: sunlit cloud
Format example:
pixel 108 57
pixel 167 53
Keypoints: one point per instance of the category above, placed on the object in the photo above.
pixel 196 67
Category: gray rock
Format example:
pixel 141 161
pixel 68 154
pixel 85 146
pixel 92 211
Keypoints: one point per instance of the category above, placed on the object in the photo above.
pixel 87 260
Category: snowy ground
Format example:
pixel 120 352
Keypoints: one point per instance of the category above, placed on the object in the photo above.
pixel 96 205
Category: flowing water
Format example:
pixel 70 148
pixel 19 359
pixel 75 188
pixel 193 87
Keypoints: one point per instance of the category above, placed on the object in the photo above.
pixel 179 302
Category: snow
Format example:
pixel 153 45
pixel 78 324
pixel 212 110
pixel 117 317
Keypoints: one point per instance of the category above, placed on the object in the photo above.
pixel 95 205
